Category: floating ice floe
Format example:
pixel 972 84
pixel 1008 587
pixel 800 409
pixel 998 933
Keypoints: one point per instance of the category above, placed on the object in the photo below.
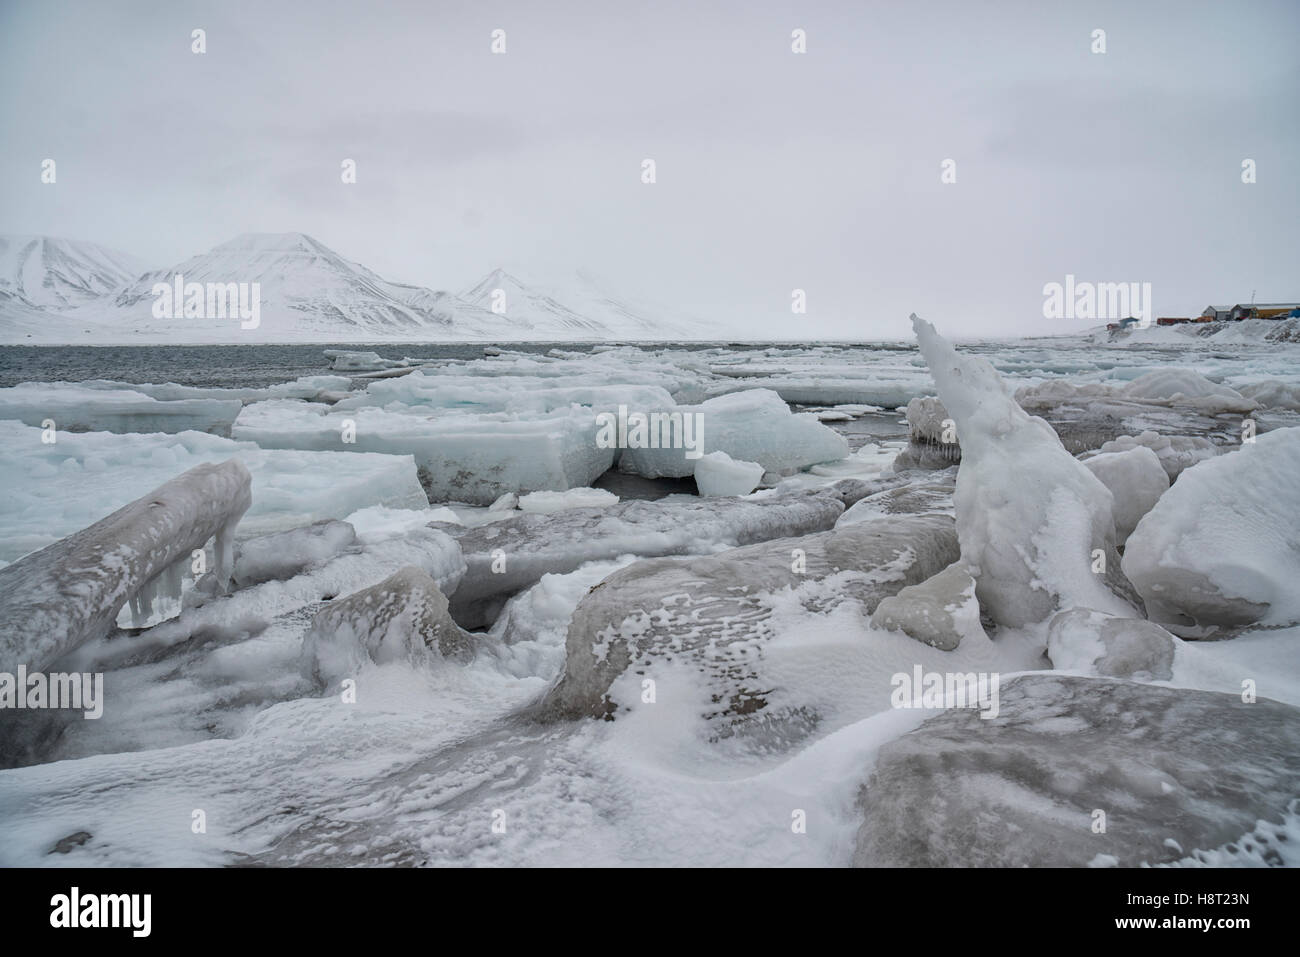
pixel 544 503
pixel 46 484
pixel 752 426
pixel 1222 546
pixel 719 474
pixel 73 407
pixel 460 457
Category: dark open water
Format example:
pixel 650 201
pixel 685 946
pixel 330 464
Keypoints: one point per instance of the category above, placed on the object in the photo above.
pixel 257 366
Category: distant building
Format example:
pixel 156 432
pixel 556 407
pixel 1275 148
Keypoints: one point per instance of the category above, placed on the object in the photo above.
pixel 1172 320
pixel 1257 310
pixel 1264 310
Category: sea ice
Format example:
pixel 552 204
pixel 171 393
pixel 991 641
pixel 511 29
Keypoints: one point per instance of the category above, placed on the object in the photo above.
pixel 1029 515
pixel 1196 767
pixel 402 617
pixel 719 474
pixel 73 407
pixel 507 556
pixel 1136 480
pixel 713 613
pixel 71 592
pixel 1222 546
pixel 751 426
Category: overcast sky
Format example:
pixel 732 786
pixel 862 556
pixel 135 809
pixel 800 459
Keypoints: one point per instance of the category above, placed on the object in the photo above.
pixel 775 170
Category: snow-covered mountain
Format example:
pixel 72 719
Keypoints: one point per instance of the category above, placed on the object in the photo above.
pixel 47 273
pixel 67 291
pixel 307 292
pixel 579 309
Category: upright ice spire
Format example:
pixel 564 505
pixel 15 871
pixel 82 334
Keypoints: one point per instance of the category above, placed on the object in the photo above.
pixel 1035 525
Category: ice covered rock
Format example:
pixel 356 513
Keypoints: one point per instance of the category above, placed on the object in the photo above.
pixel 751 426
pixel 282 555
pixel 544 503
pixel 460 457
pixel 1222 546
pixel 404 617
pixel 1029 515
pixel 1081 639
pixel 505 557
pixel 75 408
pixel 719 474
pixel 938 612
pixel 1136 480
pixel 932 437
pixel 71 592
pixel 904 495
pixel 713 614
pixel 1175 452
pixel 1173 770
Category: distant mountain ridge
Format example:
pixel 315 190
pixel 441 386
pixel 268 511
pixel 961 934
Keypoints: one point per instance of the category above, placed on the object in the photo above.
pixel 71 291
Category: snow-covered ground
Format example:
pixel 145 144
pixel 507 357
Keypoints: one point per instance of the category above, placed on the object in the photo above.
pixel 451 614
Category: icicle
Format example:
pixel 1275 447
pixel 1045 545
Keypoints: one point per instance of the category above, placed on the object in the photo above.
pixel 224 553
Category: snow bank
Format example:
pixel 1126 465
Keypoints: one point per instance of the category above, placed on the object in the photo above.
pixel 71 592
pixel 1222 546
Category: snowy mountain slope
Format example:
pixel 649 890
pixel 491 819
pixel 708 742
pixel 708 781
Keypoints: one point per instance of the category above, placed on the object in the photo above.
pixel 45 272
pixel 66 291
pixel 307 291
pixel 579 308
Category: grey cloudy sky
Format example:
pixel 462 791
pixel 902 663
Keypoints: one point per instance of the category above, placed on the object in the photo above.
pixel 775 171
